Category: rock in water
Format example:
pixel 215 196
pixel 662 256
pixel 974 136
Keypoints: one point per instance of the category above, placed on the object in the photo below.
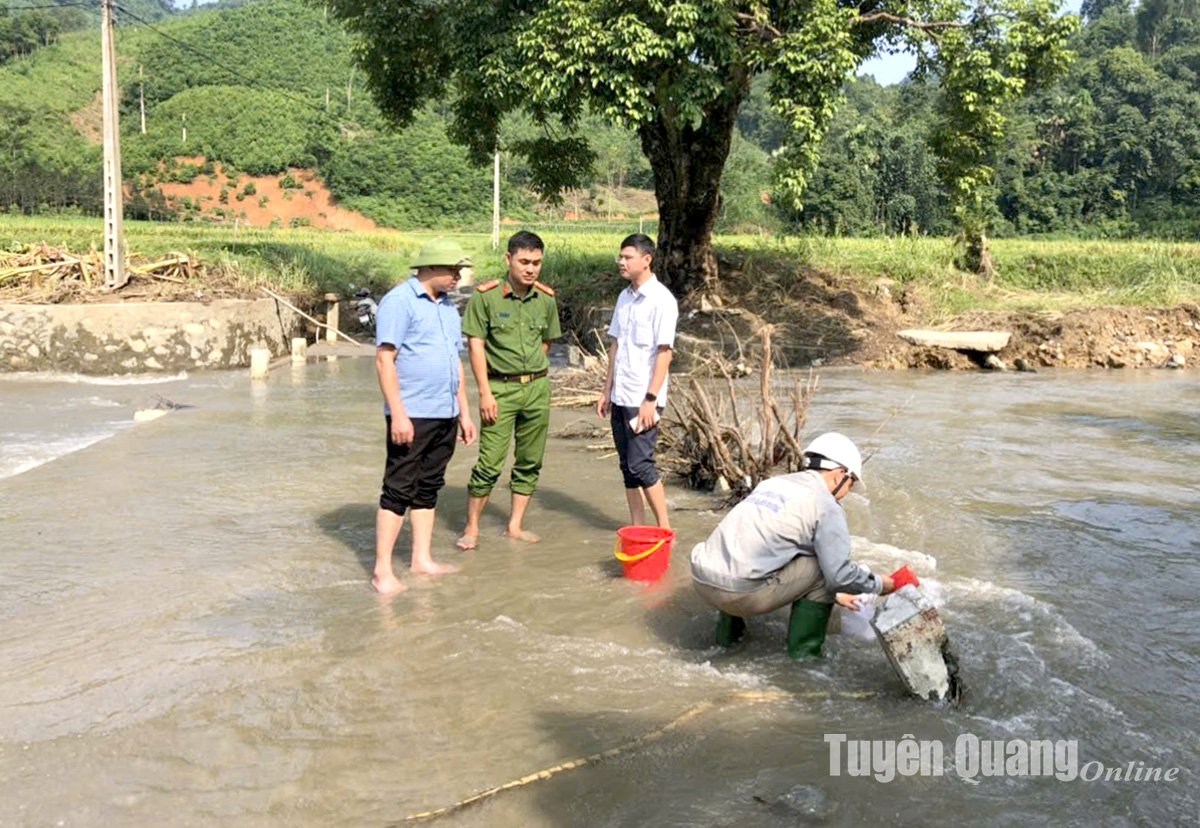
pixel 778 789
pixel 915 641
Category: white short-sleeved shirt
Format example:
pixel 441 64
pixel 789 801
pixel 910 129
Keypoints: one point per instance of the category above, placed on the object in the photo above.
pixel 643 320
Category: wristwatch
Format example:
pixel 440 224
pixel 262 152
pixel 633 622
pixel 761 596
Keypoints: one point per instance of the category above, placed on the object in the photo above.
pixel 651 397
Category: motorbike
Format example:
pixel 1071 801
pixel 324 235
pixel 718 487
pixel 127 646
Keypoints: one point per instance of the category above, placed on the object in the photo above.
pixel 366 308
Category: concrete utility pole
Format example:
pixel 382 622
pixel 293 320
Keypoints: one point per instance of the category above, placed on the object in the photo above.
pixel 114 207
pixel 496 204
pixel 183 122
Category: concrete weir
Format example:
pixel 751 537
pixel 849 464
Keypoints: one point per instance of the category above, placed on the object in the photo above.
pixel 139 337
pixel 913 637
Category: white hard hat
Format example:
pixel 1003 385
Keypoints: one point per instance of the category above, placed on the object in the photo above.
pixel 835 450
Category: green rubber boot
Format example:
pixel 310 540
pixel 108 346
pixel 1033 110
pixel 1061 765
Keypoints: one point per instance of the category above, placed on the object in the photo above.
pixel 730 629
pixel 806 628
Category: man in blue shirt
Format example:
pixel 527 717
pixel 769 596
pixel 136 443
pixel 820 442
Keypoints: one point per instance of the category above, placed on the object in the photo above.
pixel 418 337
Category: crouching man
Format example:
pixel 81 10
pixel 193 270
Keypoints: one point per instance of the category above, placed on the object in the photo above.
pixel 788 543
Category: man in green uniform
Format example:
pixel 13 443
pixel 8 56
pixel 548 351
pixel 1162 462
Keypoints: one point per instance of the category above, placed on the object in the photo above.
pixel 509 327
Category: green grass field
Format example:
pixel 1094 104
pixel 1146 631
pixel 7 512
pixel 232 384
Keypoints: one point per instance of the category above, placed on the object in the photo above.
pixel 1032 274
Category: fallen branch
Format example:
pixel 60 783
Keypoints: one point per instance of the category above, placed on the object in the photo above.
pixel 694 712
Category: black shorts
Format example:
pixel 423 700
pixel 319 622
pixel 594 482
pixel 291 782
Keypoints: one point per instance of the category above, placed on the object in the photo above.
pixel 635 450
pixel 416 473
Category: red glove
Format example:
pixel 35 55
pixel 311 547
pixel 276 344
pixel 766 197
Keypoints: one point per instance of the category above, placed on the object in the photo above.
pixel 904 576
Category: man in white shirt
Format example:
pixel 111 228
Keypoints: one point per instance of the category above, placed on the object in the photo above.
pixel 639 360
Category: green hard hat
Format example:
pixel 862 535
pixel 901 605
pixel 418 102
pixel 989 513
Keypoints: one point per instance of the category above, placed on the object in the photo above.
pixel 441 252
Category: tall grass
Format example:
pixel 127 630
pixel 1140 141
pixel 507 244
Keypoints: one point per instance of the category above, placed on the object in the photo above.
pixel 1031 274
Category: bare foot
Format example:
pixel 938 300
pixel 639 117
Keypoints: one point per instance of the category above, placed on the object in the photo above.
pixel 388 584
pixel 468 541
pixel 433 568
pixel 522 535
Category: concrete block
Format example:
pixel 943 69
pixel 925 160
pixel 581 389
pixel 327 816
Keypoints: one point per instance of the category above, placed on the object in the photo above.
pixel 260 362
pixel 331 317
pixel 145 415
pixel 299 350
pixel 914 639
pixel 986 341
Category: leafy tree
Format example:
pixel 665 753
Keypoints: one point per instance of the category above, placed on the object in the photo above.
pixel 678 73
pixel 280 45
pixel 257 131
pixel 39 169
pixel 984 66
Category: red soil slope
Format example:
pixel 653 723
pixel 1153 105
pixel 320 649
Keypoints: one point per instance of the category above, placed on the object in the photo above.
pixel 312 203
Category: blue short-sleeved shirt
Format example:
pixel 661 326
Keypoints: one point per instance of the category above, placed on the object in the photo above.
pixel 427 336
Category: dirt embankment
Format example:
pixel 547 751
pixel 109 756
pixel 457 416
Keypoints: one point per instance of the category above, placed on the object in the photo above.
pixel 295 198
pixel 821 319
pixel 1087 338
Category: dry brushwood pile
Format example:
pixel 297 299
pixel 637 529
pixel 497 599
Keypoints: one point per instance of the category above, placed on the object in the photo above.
pixel 42 274
pixel 579 387
pixel 712 436
pixel 733 442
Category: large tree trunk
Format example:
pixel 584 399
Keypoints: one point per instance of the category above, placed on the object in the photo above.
pixel 687 162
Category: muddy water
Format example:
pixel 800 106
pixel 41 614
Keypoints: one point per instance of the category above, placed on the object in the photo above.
pixel 186 636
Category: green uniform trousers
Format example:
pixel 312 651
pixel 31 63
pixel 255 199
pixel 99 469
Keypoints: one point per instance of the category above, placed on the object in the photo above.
pixel 523 412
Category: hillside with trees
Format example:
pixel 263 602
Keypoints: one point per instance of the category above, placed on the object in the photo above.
pixel 1112 149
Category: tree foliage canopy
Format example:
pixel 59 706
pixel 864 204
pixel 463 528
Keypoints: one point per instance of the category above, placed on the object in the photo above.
pixel 678 71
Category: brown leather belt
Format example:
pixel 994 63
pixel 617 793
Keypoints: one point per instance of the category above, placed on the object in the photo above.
pixel 521 378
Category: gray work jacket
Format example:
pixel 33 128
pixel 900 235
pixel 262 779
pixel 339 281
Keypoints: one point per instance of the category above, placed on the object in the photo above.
pixel 785 516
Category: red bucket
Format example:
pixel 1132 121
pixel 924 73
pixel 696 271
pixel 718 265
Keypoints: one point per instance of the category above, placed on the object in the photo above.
pixel 644 551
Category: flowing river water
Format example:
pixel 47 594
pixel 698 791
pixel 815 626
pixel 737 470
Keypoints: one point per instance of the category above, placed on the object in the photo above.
pixel 187 636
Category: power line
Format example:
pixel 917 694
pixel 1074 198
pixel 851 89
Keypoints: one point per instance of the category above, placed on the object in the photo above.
pixel 250 81
pixel 91 6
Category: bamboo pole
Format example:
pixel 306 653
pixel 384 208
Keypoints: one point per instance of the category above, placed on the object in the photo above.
pixel 768 414
pixel 292 307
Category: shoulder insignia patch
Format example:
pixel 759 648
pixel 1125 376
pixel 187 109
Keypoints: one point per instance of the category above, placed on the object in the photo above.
pixel 546 289
pixel 486 286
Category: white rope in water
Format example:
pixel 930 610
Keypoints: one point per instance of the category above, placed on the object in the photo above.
pixel 724 702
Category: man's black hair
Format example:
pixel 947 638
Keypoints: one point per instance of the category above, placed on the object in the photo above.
pixel 640 242
pixel 525 240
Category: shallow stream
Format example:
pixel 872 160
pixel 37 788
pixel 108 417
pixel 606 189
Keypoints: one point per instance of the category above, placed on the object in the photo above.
pixel 187 636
